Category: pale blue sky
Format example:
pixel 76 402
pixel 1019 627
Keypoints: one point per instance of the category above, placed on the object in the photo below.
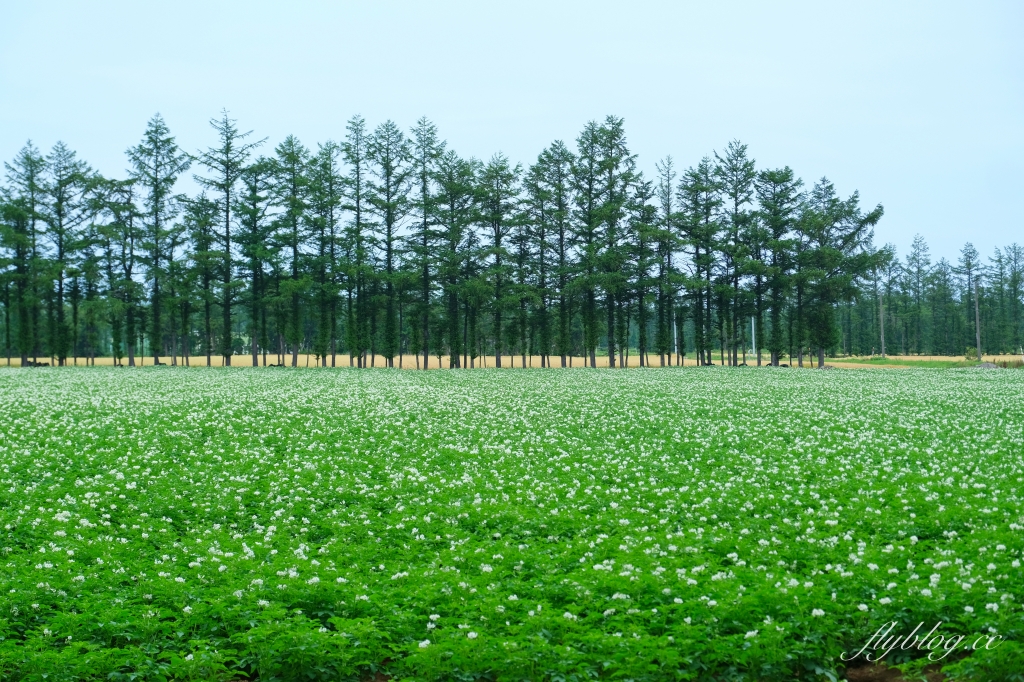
pixel 919 105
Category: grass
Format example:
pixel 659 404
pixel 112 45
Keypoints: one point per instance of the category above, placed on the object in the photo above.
pixel 906 361
pixel 747 524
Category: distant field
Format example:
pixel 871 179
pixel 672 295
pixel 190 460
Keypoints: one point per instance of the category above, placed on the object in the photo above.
pixel 940 361
pixel 744 524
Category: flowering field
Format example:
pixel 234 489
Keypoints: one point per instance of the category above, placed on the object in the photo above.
pixel 744 524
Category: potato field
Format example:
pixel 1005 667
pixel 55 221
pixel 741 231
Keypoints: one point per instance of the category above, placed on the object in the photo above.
pixel 660 524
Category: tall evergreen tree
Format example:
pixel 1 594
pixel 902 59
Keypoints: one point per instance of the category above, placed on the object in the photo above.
pixel 700 198
pixel 499 196
pixel 225 163
pixel 666 247
pixel 838 254
pixel 389 153
pixel 587 186
pixel 735 174
pixel 969 270
pixel 618 171
pixel 201 218
pixel 25 177
pixel 124 237
pixel 426 149
pixel 16 240
pixel 646 235
pixel 326 200
pixel 557 164
pixel 156 162
pixel 916 269
pixel 455 204
pixel 252 209
pixel 360 273
pixel 538 223
pixel 778 194
pixel 66 209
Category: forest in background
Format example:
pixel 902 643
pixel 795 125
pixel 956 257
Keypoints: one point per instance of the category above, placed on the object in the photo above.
pixel 389 243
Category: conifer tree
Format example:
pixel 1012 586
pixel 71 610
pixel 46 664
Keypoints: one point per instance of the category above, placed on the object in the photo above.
pixel 735 174
pixel 252 208
pixel 66 208
pixel 557 164
pixel 201 217
pixel 156 163
pixel 426 149
pixel 25 185
pixel 666 247
pixel 360 273
pixel 778 195
pixel 389 153
pixel 499 189
pixel 837 255
pixel 587 237
pixel 455 204
pixel 537 221
pixel 645 231
pixel 326 199
pixel 617 169
pixel 291 195
pixel 225 163
pixel 699 196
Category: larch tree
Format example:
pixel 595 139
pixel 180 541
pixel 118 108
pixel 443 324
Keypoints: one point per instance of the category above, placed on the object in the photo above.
pixel 455 204
pixel 390 156
pixel 557 163
pixel 66 209
pixel 16 239
pixel 225 163
pixel 918 263
pixel 25 176
pixel 156 163
pixel 587 189
pixel 735 174
pixel 838 254
pixel 253 211
pixel 969 270
pixel 425 150
pixel 326 197
pixel 291 195
pixel 779 199
pixel 700 199
pixel 360 271
pixel 200 219
pixel 645 236
pixel 666 246
pixel 617 173
pixel 538 222
pixel 499 197
pixel 126 237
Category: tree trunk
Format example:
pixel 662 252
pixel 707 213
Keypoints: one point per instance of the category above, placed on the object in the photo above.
pixel 977 320
pixel 610 304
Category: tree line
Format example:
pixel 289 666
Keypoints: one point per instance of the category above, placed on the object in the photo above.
pixel 389 243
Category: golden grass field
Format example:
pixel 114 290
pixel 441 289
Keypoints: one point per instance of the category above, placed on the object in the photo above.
pixel 515 361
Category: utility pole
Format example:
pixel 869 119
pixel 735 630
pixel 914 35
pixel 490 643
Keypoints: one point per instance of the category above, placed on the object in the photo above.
pixel 977 320
pixel 881 321
pixel 675 338
pixel 753 341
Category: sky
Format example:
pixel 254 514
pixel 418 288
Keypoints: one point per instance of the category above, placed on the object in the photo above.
pixel 918 106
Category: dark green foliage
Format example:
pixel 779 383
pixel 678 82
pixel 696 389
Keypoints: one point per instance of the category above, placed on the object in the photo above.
pixel 156 163
pixel 390 243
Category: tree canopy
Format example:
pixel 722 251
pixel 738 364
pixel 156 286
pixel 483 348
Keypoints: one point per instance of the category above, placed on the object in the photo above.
pixel 389 243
